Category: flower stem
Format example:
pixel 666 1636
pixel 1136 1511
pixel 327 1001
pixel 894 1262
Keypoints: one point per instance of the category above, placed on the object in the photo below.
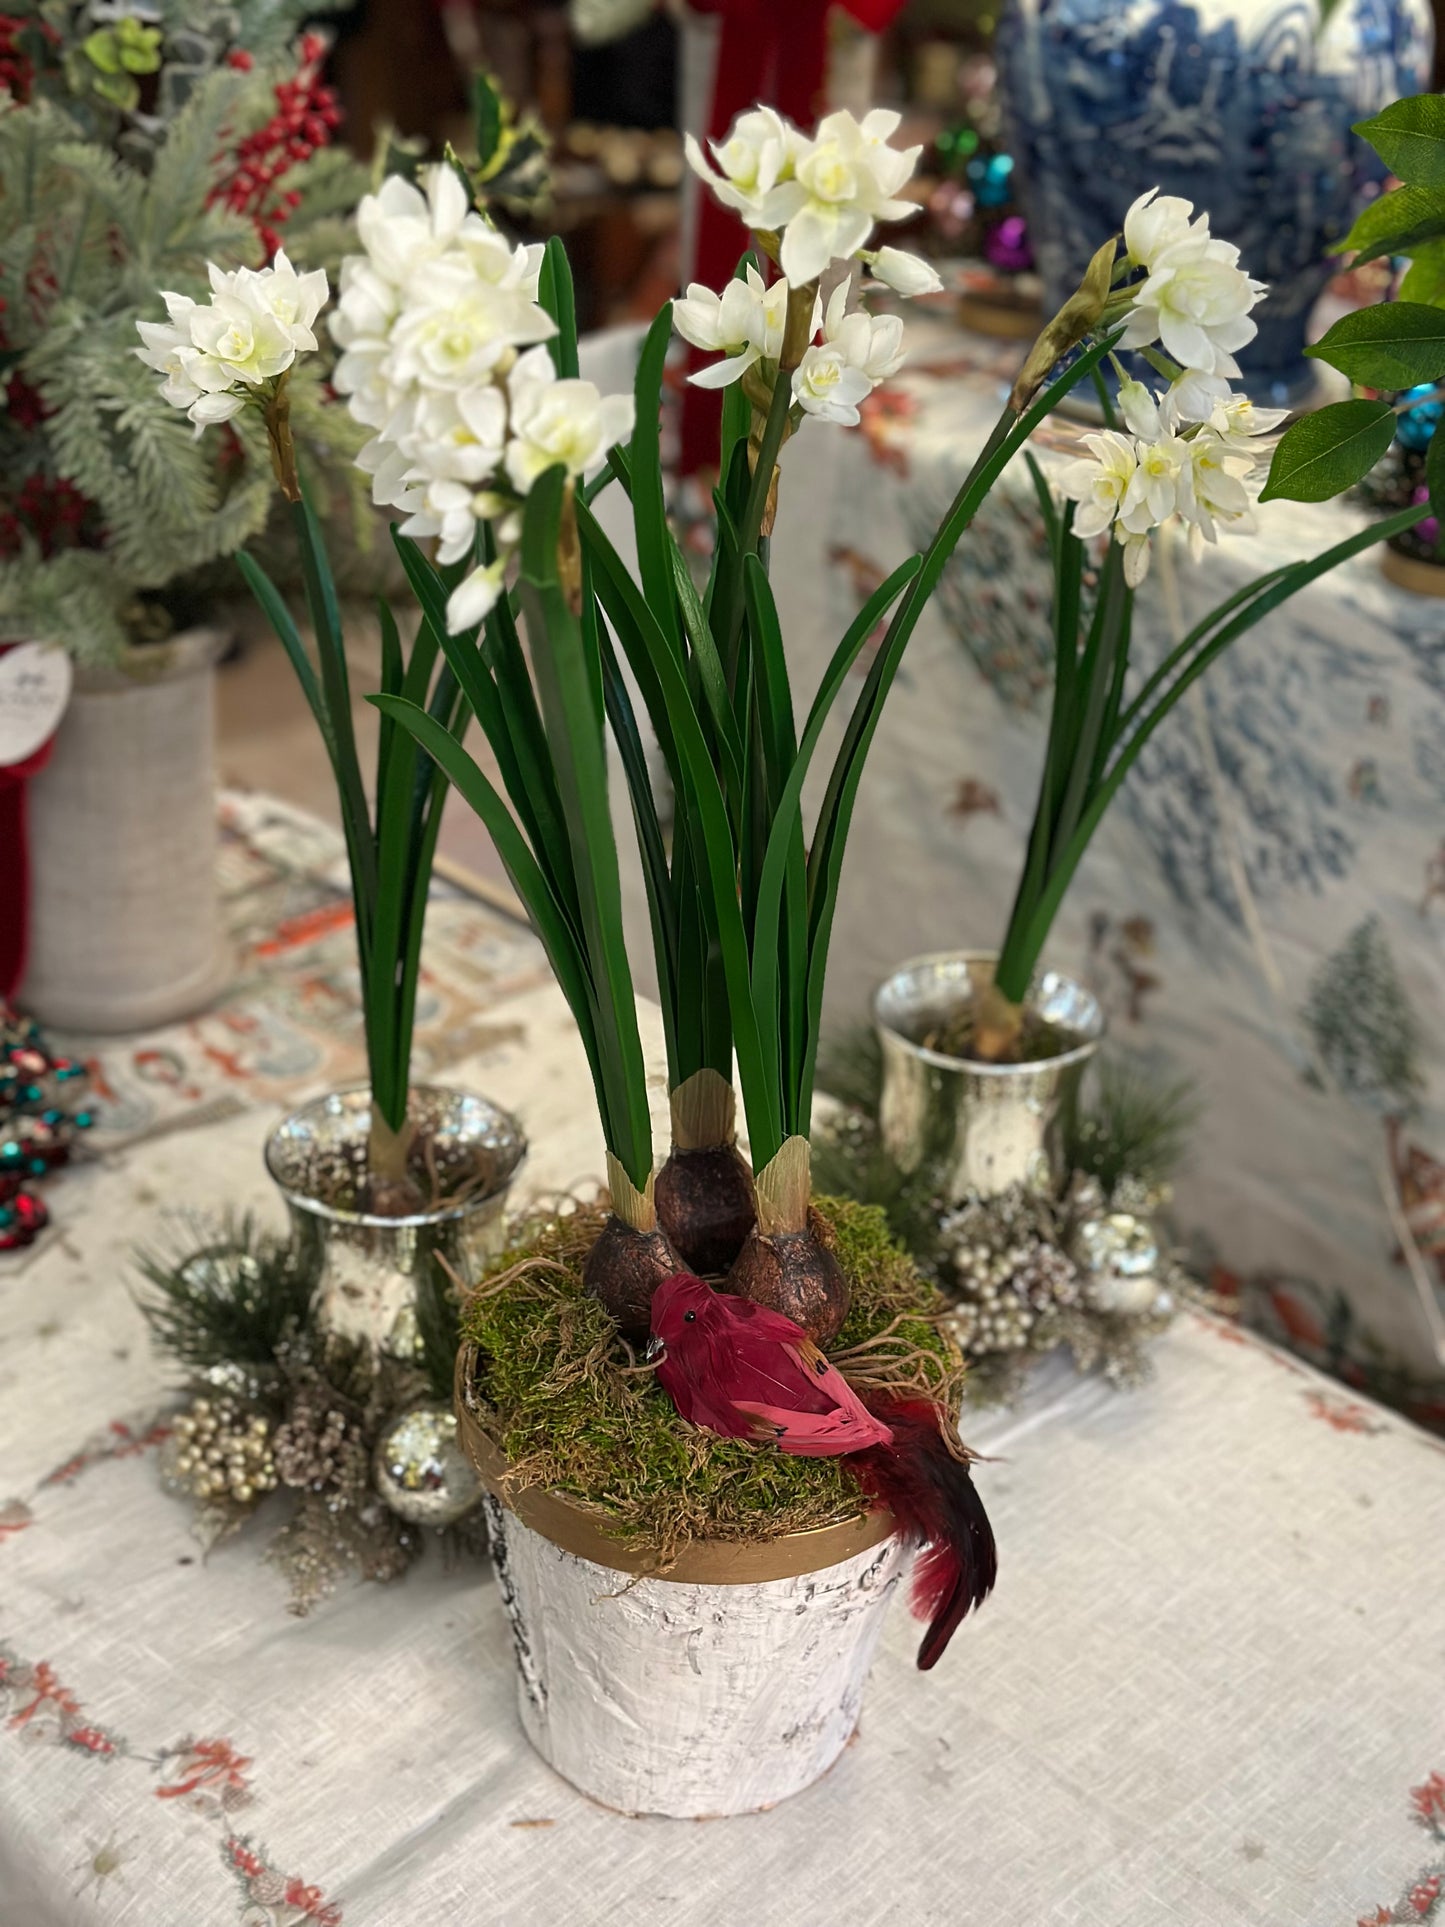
pixel 276 413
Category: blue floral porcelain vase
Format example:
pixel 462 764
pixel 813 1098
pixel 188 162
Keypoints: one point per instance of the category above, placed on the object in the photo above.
pixel 1243 106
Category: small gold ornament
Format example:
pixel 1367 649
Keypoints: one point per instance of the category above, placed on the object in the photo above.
pixel 220 1452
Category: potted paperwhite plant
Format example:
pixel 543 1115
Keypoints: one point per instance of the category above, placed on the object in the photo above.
pixel 133 150
pixel 381 1179
pixel 981 1049
pixel 763 1490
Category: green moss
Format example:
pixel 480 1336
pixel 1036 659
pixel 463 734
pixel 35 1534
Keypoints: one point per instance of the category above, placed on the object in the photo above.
pixel 554 1385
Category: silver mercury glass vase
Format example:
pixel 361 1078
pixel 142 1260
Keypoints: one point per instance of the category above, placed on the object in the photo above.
pixel 369 1265
pixel 983 1127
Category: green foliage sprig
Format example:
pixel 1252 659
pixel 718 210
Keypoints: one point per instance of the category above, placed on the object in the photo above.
pixel 1395 344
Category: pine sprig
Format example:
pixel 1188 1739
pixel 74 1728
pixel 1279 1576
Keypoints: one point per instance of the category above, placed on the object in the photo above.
pixel 235 1295
pixel 1134 1125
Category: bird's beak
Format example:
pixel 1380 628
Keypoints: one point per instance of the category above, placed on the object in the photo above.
pixel 655 1350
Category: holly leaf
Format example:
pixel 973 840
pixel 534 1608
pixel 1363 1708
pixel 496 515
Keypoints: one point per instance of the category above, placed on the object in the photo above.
pixel 1409 138
pixel 1395 224
pixel 1392 345
pixel 1325 453
pixel 488 118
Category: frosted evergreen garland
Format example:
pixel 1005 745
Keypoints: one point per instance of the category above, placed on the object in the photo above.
pixel 133 150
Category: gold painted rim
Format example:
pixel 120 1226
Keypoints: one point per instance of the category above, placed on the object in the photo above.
pixel 701 1562
pixel 1412 572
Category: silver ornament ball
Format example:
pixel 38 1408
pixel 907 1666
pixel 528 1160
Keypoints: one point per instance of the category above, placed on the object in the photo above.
pixel 1118 1254
pixel 421 1470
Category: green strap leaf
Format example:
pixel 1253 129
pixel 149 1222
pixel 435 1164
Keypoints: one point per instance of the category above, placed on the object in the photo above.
pixel 565 680
pixel 1323 454
pixel 644 469
pixel 1392 345
pixel 1409 137
pixel 662 681
pixel 555 296
pixel 521 866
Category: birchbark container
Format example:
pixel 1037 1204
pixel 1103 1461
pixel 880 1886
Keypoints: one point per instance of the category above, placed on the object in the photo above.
pixel 722 1686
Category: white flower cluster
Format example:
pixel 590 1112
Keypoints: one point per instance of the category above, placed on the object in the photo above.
pixel 439 327
pixel 822 193
pixel 816 200
pixel 1189 448
pixel 1187 456
pixel 853 354
pixel 219 355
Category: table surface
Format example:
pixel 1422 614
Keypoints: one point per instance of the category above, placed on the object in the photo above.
pixel 1206 1692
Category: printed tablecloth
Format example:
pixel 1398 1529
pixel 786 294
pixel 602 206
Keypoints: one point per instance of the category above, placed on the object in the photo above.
pixel 1207 1690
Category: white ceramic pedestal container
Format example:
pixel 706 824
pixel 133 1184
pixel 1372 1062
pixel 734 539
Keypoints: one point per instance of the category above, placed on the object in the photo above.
pixel 660 1696
pixel 125 929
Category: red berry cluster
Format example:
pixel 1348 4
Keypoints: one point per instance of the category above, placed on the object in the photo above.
pixel 307 115
pixel 17 69
pixel 51 510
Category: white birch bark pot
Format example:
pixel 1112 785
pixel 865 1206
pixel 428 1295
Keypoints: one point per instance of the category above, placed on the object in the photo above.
pixel 124 929
pixel 688 1696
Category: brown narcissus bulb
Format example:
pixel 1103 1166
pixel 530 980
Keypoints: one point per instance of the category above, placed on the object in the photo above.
pixel 704 1192
pixel 624 1268
pixel 631 1257
pixel 786 1262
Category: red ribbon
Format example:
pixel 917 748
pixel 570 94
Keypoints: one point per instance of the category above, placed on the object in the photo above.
pixel 15 862
pixel 774 52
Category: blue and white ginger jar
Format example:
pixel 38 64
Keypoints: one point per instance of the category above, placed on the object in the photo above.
pixel 1242 106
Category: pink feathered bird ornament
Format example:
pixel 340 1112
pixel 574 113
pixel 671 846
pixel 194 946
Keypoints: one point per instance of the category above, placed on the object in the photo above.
pixel 749 1373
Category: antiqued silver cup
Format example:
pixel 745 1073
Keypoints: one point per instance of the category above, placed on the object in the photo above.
pixel 982 1127
pixel 369 1265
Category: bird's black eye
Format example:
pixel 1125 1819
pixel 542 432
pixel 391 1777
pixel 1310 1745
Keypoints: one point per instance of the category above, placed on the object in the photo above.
pixel 688 1317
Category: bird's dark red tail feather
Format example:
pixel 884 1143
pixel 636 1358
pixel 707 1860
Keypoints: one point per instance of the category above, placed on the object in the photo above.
pixel 932 1496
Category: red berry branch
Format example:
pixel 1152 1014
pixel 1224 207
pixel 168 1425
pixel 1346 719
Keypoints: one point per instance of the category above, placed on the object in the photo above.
pixel 307 115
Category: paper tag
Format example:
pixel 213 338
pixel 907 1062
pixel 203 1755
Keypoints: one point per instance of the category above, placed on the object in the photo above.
pixel 34 689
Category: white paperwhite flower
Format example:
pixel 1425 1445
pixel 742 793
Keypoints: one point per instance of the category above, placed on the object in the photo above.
pixel 1215 490
pixel 1196 301
pixel 1238 423
pixel 1136 555
pixel 825 384
pixel 873 344
pixel 238 331
pixel 476 596
pixel 1195 395
pixel 1139 408
pixel 553 421
pixel 1155 222
pixel 1153 492
pixel 401 226
pixel 447 510
pixel 907 274
pixel 848 176
pixel 745 322
pixel 1099 481
pixel 293 300
pixel 754 174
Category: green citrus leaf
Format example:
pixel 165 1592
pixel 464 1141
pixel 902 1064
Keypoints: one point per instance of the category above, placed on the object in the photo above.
pixel 1392 345
pixel 1425 277
pixel 1325 453
pixel 1435 479
pixel 1409 138
pixel 1395 224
